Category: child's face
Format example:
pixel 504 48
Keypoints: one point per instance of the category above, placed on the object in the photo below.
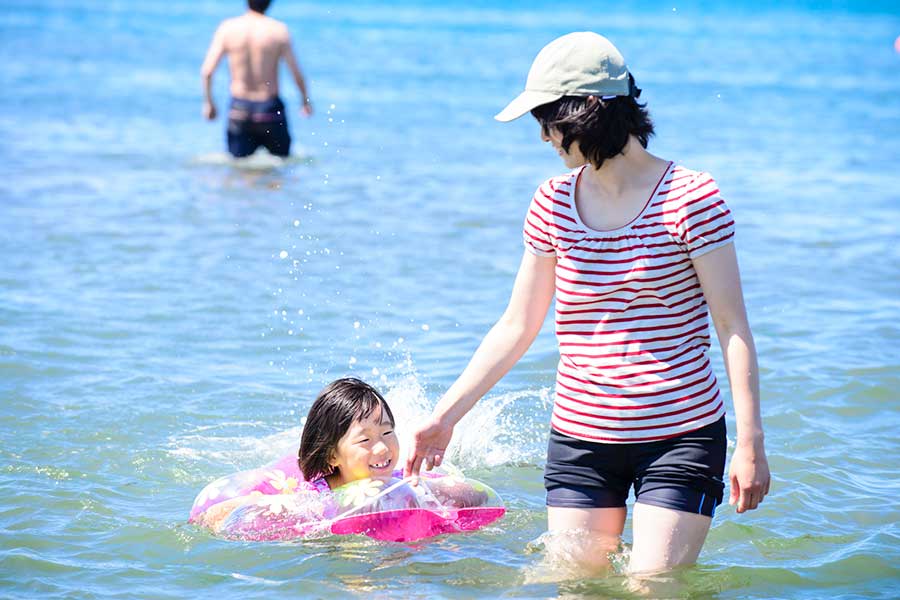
pixel 369 449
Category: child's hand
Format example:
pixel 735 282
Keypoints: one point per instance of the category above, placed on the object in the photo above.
pixel 458 494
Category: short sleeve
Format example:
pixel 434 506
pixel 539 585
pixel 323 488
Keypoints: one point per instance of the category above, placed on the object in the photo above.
pixel 704 221
pixel 536 232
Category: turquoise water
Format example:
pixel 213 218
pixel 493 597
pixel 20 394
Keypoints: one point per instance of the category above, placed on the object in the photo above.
pixel 152 337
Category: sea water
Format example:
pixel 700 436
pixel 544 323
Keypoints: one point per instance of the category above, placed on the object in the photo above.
pixel 167 316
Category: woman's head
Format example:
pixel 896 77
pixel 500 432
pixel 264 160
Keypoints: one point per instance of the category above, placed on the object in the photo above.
pixel 599 128
pixel 581 92
pixel 348 434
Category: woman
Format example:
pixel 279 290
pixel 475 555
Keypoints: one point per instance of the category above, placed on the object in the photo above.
pixel 637 250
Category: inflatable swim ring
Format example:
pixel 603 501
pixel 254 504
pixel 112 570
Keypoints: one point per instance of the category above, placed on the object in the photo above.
pixel 275 503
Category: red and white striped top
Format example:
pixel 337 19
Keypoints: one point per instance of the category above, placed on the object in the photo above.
pixel 631 319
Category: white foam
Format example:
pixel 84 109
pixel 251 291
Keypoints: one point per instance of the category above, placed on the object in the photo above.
pixel 259 161
pixel 234 444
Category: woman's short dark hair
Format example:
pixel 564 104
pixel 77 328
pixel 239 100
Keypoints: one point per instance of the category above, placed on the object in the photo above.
pixel 600 127
pixel 342 402
pixel 260 6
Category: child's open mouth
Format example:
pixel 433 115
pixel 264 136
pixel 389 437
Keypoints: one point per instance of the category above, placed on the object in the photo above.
pixel 381 465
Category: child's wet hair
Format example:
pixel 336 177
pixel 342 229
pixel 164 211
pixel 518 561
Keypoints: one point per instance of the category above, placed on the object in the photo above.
pixel 601 127
pixel 342 402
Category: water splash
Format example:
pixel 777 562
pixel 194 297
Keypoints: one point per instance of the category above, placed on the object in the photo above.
pixel 231 444
pixel 496 432
pixel 493 433
pixel 561 557
pixel 260 161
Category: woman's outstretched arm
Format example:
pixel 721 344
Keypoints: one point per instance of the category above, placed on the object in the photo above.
pixel 500 349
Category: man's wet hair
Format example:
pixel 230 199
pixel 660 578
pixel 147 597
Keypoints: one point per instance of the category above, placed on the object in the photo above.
pixel 340 404
pixel 601 127
pixel 260 6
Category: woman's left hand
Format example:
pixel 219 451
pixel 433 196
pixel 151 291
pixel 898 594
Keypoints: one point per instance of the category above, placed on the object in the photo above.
pixel 749 474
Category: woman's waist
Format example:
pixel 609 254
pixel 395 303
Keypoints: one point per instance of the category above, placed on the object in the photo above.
pixel 638 374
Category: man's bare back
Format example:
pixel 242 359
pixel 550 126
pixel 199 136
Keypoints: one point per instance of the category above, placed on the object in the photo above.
pixel 254 44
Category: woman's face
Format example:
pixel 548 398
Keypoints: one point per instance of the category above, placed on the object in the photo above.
pixel 369 449
pixel 573 158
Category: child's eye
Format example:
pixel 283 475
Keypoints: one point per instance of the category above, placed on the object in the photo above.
pixel 362 441
pixel 388 432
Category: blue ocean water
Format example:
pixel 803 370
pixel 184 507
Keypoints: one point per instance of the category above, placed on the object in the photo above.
pixel 167 317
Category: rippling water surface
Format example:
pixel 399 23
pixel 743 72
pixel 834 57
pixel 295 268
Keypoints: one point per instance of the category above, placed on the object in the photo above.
pixel 167 317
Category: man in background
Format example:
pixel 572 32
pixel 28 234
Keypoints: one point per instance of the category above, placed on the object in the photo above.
pixel 255 44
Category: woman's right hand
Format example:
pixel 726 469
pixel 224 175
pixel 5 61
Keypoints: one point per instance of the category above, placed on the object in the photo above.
pixel 429 444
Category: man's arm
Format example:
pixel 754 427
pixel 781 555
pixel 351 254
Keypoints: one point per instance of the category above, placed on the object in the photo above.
pixel 213 56
pixel 291 60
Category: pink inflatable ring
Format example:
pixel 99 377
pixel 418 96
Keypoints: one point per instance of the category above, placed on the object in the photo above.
pixel 275 503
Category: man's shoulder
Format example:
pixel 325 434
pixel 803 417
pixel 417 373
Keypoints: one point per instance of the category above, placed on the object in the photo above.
pixel 272 29
pixel 228 24
pixel 277 26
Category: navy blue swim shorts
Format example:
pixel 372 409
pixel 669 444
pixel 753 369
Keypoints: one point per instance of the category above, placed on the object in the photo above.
pixel 254 124
pixel 682 473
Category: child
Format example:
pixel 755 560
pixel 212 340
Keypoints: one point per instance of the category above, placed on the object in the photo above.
pixel 348 436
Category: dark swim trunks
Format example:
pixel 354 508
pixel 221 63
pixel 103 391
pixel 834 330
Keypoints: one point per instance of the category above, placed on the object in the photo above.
pixel 254 124
pixel 682 473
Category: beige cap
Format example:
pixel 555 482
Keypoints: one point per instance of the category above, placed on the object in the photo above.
pixel 577 64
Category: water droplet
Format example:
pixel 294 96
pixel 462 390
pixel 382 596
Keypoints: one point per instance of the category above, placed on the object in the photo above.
pixel 283 254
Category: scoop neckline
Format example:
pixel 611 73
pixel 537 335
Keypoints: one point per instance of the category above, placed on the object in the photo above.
pixel 577 178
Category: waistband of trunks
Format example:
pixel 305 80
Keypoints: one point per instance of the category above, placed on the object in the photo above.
pixel 264 111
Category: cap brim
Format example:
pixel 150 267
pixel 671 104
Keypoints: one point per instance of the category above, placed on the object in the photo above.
pixel 524 102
